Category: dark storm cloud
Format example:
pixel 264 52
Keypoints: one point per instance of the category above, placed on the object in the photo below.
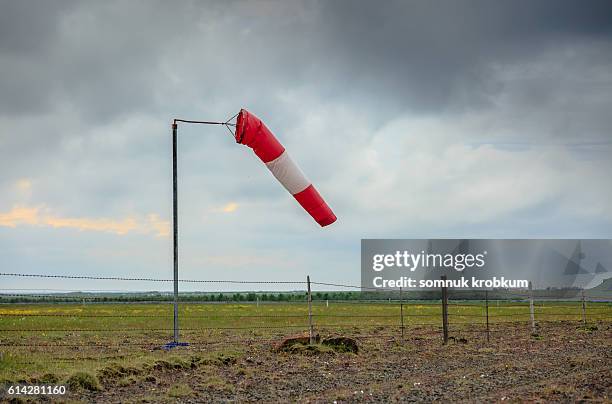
pixel 68 67
pixel 100 59
pixel 397 110
pixel 437 54
pixel 114 58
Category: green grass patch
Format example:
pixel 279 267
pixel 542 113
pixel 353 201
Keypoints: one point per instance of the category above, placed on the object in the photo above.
pixel 83 381
pixel 112 354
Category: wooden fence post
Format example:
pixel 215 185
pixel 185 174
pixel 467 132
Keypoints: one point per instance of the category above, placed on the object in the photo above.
pixel 310 330
pixel 583 309
pixel 531 309
pixel 487 312
pixel 401 311
pixel 444 310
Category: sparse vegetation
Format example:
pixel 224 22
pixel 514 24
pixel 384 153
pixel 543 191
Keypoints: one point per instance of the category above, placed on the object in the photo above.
pixel 216 383
pixel 238 361
pixel 179 391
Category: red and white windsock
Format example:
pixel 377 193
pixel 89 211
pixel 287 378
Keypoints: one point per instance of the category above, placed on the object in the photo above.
pixel 251 131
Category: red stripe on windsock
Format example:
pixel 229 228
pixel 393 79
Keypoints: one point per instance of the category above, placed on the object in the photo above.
pixel 314 204
pixel 251 132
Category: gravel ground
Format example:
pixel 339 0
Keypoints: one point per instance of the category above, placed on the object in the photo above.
pixel 565 363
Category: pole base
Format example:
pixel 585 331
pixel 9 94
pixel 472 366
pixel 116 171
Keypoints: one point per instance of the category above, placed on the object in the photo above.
pixel 174 344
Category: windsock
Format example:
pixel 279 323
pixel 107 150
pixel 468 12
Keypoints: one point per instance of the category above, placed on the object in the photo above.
pixel 251 131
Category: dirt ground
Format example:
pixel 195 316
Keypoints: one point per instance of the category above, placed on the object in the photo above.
pixel 565 363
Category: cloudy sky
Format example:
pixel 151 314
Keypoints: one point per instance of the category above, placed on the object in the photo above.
pixel 414 119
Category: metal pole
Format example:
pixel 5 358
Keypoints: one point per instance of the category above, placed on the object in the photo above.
pixel 310 331
pixel 175 232
pixel 531 309
pixel 175 210
pixel 487 311
pixel 401 311
pixel 444 310
pixel 583 309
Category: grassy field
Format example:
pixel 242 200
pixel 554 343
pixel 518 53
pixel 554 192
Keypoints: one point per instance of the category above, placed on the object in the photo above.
pixel 52 342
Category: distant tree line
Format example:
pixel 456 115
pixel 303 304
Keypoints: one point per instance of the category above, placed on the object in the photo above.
pixel 295 296
pixel 184 297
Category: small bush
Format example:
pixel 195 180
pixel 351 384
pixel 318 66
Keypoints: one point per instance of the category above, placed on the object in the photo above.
pixel 83 381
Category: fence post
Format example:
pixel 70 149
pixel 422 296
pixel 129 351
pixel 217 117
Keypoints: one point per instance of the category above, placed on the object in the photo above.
pixel 401 311
pixel 257 301
pixel 444 310
pixel 310 333
pixel 487 312
pixel 327 303
pixel 583 309
pixel 531 309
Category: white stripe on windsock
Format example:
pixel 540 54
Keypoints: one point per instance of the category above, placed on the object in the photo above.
pixel 288 174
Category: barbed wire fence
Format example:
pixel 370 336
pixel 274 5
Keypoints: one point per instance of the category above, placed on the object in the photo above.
pixel 451 315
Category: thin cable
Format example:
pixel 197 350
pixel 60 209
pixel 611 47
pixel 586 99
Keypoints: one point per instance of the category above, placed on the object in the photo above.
pixel 118 278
